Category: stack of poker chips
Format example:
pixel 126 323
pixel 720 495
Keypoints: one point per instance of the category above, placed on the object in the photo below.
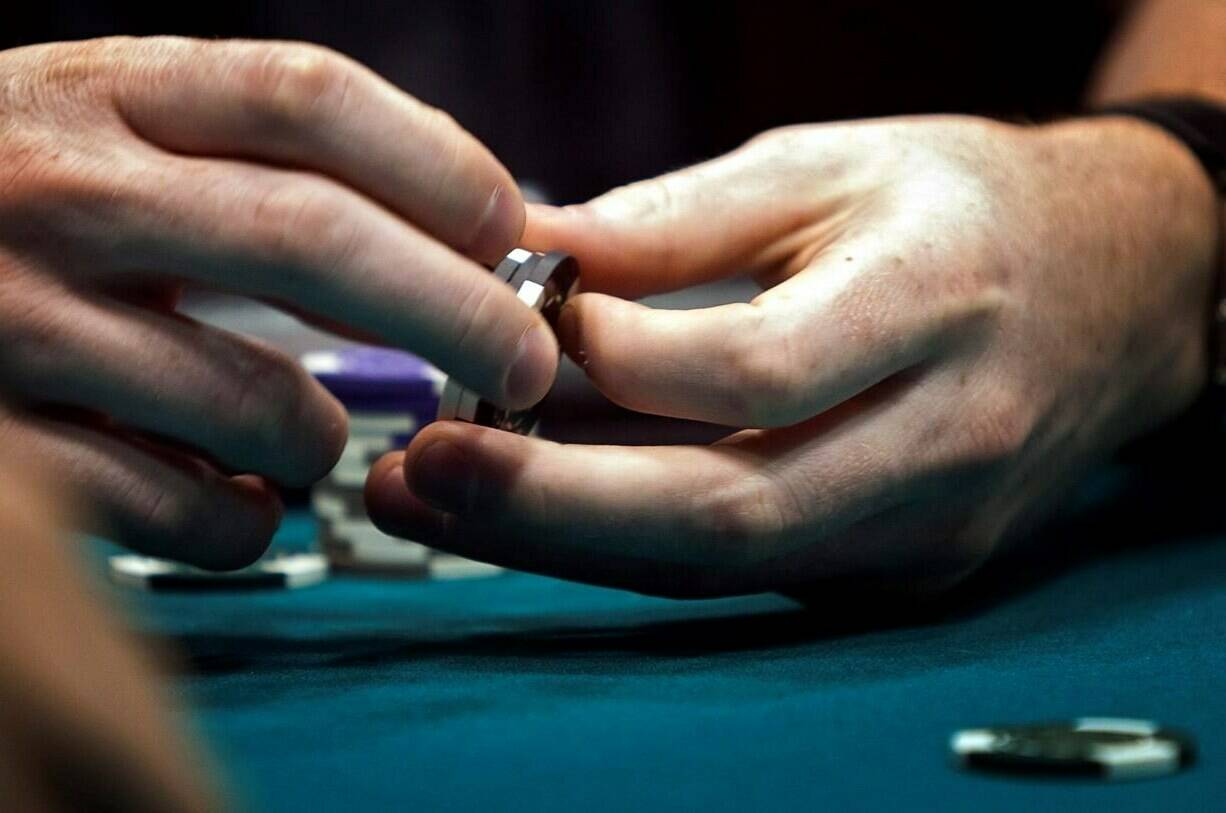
pixel 389 395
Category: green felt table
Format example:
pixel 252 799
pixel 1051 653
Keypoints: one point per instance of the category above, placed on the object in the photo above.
pixel 522 692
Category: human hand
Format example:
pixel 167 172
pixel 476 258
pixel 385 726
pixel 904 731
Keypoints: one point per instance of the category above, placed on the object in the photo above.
pixel 959 316
pixel 130 167
pixel 84 722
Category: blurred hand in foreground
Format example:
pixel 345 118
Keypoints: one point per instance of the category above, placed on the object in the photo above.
pixel 83 721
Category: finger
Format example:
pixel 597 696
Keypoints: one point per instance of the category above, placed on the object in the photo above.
pixel 248 406
pixel 399 511
pixel 677 520
pixel 307 241
pixel 699 224
pixel 311 108
pixel 155 501
pixel 81 713
pixel 850 321
pixel 509 507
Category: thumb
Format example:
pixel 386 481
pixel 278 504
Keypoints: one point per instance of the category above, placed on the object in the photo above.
pixel 728 216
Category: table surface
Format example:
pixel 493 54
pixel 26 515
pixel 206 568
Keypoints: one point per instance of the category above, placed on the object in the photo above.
pixel 520 692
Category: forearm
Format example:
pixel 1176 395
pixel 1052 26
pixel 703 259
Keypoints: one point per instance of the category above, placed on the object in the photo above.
pixel 1173 48
pixel 1167 47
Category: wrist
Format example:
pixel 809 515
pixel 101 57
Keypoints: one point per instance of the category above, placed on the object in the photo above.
pixel 1162 219
pixel 1198 123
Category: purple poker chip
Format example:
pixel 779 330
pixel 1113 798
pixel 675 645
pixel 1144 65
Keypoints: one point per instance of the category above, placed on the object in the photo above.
pixel 376 379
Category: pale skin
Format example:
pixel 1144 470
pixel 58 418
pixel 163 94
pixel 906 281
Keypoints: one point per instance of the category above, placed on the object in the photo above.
pixel 958 318
pixel 84 722
pixel 129 168
pixel 1010 282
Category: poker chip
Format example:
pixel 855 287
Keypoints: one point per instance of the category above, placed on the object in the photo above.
pixel 389 395
pixel 289 570
pixel 1103 747
pixel 541 281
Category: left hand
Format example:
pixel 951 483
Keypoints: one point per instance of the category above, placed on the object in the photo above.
pixel 85 722
pixel 959 317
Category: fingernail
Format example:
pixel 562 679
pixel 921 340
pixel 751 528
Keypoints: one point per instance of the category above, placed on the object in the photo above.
pixel 443 476
pixel 410 518
pixel 531 373
pixel 500 227
pixel 569 335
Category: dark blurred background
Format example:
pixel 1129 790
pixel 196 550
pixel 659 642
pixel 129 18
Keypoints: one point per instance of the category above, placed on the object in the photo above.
pixel 576 97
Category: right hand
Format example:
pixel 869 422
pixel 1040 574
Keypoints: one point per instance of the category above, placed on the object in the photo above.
pixel 130 167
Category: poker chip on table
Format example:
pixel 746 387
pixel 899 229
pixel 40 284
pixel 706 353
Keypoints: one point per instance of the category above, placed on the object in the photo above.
pixel 279 571
pixel 542 281
pixel 1102 747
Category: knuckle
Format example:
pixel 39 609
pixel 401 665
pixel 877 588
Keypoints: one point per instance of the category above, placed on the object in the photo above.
pixel 977 288
pixel 744 522
pixel 58 198
pixel 124 56
pixel 776 139
pixel 441 124
pixel 457 168
pixel 652 199
pixel 959 282
pixel 71 70
pixel 264 398
pixel 297 85
pixel 778 153
pixel 998 431
pixel 767 385
pixel 291 218
pixel 646 202
pixel 863 310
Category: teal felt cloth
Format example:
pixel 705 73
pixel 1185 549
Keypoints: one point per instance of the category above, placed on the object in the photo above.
pixel 525 693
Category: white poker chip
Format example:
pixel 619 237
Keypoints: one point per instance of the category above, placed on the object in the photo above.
pixel 543 282
pixel 1104 747
pixel 287 570
pixel 447 567
pixel 353 543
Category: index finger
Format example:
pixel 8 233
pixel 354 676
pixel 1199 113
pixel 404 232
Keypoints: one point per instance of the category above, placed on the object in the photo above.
pixel 302 239
pixel 310 108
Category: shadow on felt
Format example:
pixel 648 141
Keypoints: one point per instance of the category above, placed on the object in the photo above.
pixel 1136 526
